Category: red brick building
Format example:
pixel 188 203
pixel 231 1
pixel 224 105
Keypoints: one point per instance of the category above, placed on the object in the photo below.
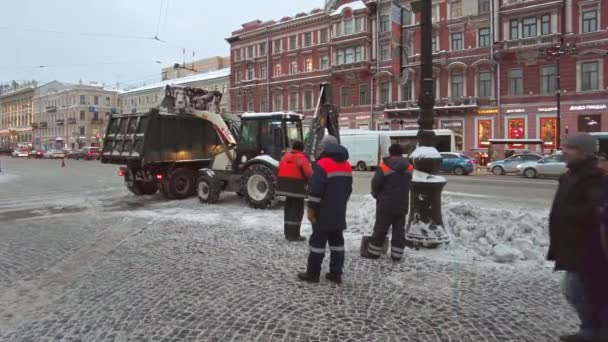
pixel 357 46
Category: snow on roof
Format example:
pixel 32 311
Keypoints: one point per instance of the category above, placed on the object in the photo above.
pixel 193 78
pixel 262 115
pixel 355 5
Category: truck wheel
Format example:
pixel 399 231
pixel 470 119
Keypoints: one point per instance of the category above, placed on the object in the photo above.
pixel 208 189
pixel 258 186
pixel 181 183
pixel 163 186
pixel 139 188
pixel 361 166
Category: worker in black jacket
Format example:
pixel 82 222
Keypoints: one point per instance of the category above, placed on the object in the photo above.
pixel 391 188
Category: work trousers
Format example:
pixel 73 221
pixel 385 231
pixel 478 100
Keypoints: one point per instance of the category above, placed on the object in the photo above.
pixel 293 213
pixel 318 240
pixel 384 221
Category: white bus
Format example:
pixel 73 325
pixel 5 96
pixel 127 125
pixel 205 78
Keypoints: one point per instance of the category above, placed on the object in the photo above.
pixel 445 139
pixel 366 148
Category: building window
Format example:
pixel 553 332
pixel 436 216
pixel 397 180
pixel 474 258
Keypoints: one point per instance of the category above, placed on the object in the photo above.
pixel 406 91
pixel 262 49
pixel 484 37
pixel 359 24
pixel 278 103
pixel 590 123
pixel 483 6
pixel 293 101
pixel 457 43
pixel 83 100
pixel 344 94
pixel 590 21
pixel 250 104
pixel 308 99
pixel 348 27
pixel 293 42
pixel 529 28
pixel 277 70
pixel 434 44
pixel 548 79
pixel 277 46
pixel 364 95
pixel 263 104
pixel 82 131
pixel 250 73
pixel 96 100
pixel 324 36
pixel 82 115
pixel 108 101
pixel 237 54
pixel 457 84
pixel 308 64
pixel 589 77
pixel 263 71
pixel 293 67
pixel 250 52
pixel 385 53
pixel 385 92
pixel 514 25
pixel 307 39
pixel 484 84
pixel 239 75
pixel 516 82
pixel 455 9
pixel 324 62
pixel 545 24
pixel 384 23
pixel 348 55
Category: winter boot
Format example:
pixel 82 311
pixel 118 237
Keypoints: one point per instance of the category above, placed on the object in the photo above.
pixel 334 278
pixel 308 277
pixel 292 234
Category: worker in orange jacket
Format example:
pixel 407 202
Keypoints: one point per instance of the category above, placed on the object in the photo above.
pixel 294 172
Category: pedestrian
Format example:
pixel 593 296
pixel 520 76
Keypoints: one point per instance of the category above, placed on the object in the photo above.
pixel 391 189
pixel 572 222
pixel 330 188
pixel 293 175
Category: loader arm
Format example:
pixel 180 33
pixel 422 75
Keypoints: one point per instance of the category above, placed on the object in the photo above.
pixel 325 119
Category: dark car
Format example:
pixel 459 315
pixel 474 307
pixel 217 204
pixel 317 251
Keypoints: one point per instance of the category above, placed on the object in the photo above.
pixel 457 163
pixel 38 154
pixel 91 153
pixel 74 154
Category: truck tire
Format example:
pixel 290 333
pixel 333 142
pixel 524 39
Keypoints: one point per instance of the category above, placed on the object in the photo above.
pixel 181 183
pixel 163 186
pixel 208 189
pixel 139 188
pixel 258 186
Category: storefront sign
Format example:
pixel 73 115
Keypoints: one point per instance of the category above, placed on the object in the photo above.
pixel 547 109
pixel 548 131
pixel 517 130
pixel 409 126
pixel 487 111
pixel 343 118
pixel 515 110
pixel 484 133
pixel 363 117
pixel 588 107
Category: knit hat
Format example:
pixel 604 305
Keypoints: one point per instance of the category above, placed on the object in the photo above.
pixel 584 143
pixel 328 140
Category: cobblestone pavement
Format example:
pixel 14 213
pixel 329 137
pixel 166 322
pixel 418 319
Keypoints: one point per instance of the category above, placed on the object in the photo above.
pixel 126 269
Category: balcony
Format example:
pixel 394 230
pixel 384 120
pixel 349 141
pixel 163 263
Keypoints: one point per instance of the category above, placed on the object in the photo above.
pixel 531 42
pixel 350 66
pixel 43 124
pixel 71 121
pixel 51 109
pixel 440 104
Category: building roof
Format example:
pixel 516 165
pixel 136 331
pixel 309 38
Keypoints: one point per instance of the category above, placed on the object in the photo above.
pixel 189 79
pixel 355 5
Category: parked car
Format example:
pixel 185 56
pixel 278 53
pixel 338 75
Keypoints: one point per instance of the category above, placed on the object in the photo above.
pixel 38 154
pixel 54 154
pixel 552 166
pixel 20 154
pixel 73 154
pixel 91 153
pixel 457 163
pixel 509 165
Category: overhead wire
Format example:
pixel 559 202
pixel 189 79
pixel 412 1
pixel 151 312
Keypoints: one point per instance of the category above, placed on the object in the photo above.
pixel 85 34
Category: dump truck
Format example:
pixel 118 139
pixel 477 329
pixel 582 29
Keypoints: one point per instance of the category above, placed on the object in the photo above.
pixel 184 148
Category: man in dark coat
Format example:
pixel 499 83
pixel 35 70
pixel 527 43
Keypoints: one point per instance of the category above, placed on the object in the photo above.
pixel 293 174
pixel 391 189
pixel 572 223
pixel 330 189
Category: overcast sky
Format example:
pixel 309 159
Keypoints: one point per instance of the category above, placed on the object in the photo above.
pixel 111 55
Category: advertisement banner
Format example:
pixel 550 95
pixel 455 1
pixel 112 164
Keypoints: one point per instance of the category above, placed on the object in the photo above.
pixel 548 131
pixel 484 133
pixel 517 130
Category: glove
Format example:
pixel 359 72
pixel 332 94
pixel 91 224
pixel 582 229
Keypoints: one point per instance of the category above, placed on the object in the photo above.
pixel 312 215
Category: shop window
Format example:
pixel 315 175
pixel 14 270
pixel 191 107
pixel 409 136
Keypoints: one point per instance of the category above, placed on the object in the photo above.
pixel 590 123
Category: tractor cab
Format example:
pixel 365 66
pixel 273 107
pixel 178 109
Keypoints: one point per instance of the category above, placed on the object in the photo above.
pixel 268 134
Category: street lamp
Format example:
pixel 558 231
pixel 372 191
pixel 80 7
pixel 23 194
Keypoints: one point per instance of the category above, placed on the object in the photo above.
pixel 425 227
pixel 557 52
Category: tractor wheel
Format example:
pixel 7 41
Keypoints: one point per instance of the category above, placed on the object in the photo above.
pixel 163 186
pixel 139 188
pixel 208 189
pixel 181 183
pixel 258 186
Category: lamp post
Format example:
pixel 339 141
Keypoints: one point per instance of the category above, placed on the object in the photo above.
pixel 557 52
pixel 425 226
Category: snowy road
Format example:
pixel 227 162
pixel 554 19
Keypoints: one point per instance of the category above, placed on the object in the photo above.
pixel 82 260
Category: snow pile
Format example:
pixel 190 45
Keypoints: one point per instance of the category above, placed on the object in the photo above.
pixel 493 231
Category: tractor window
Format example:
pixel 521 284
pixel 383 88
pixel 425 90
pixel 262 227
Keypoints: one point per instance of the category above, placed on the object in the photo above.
pixel 249 135
pixel 294 132
pixel 271 136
